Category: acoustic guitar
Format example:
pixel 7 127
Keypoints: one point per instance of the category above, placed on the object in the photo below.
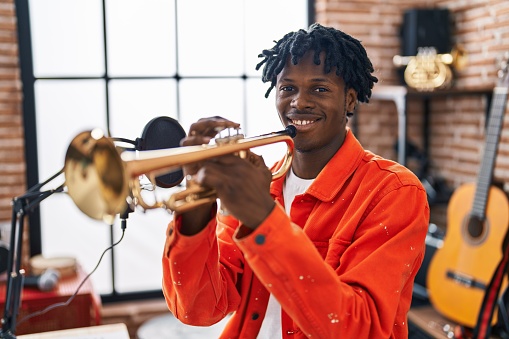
pixel 477 221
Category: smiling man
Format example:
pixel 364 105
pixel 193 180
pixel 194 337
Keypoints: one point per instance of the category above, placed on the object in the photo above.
pixel 328 251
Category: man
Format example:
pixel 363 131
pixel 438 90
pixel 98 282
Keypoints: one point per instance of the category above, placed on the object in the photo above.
pixel 329 251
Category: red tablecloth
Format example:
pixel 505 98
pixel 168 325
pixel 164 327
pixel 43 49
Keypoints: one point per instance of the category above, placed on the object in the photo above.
pixel 82 311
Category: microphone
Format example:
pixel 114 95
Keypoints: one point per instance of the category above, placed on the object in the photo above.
pixel 44 282
pixel 161 133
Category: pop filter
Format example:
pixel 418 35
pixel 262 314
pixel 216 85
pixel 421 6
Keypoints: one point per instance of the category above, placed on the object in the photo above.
pixel 161 133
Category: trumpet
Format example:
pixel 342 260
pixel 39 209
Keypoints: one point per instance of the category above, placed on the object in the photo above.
pixel 100 179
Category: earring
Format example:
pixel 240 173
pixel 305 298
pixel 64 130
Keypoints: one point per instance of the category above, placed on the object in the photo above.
pixel 349 114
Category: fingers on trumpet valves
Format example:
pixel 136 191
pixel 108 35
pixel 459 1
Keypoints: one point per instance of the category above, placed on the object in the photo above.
pixel 211 126
pixel 195 138
pixel 220 135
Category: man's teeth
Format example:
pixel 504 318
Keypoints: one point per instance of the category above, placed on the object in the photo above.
pixel 302 122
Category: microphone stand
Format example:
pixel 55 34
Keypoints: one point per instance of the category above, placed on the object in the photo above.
pixel 21 206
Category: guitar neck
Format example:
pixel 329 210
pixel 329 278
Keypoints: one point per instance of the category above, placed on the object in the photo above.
pixel 494 128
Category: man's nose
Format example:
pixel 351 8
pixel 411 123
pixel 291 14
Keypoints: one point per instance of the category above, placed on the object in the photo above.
pixel 302 100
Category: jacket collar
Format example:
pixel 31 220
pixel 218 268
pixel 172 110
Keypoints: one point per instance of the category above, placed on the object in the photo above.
pixel 333 176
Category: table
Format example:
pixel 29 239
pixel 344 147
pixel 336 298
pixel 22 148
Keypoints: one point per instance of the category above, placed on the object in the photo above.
pixel 82 311
pixel 113 331
pixel 428 320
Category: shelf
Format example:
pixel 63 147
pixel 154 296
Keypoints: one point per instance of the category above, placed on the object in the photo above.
pixel 400 94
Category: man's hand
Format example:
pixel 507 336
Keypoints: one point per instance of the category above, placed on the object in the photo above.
pixel 242 185
pixel 201 132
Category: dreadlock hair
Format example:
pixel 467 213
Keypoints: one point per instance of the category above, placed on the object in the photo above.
pixel 342 51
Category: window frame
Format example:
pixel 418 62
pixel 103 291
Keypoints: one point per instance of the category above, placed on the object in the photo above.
pixel 28 80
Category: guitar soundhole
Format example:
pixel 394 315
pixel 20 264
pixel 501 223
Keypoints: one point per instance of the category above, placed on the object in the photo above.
pixel 476 229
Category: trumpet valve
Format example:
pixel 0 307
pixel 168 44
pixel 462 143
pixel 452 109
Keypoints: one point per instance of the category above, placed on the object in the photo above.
pixel 228 136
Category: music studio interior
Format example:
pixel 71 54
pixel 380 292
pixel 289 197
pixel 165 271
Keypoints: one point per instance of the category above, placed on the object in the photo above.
pixel 117 66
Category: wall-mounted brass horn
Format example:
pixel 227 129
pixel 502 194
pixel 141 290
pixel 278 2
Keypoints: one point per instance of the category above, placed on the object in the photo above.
pixel 428 70
pixel 99 178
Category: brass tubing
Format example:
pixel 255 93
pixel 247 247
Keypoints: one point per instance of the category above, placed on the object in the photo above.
pixel 166 160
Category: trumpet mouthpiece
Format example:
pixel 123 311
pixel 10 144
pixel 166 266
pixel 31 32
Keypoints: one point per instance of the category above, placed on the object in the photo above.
pixel 291 130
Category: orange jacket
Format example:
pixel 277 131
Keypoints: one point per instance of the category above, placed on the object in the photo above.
pixel 343 267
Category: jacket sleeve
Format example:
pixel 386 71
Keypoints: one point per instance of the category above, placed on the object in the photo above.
pixel 356 290
pixel 199 287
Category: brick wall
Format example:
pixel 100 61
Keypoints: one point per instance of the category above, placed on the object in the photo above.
pixel 12 162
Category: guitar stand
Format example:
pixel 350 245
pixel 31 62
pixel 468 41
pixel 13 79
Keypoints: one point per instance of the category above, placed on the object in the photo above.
pixel 491 298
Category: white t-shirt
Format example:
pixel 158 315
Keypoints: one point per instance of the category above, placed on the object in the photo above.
pixel 271 326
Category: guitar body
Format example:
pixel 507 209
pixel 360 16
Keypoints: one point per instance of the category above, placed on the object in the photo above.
pixel 461 270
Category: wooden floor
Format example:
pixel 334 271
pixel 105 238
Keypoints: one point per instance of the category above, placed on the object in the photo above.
pixel 152 319
pixel 133 313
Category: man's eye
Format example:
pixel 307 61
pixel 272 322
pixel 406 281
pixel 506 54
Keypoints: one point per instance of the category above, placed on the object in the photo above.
pixel 321 89
pixel 287 88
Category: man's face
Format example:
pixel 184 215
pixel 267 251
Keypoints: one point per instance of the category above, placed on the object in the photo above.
pixel 315 103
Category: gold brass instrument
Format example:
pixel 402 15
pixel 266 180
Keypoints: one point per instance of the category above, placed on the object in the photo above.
pixel 428 70
pixel 100 179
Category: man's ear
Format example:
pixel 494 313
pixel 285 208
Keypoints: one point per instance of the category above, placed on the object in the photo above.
pixel 351 99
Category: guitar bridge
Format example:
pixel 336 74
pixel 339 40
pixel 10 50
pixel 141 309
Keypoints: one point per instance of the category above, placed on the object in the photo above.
pixel 465 280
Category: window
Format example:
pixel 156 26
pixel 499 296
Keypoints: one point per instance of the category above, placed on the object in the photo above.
pixel 115 65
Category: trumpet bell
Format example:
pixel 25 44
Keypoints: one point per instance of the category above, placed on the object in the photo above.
pixel 95 176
